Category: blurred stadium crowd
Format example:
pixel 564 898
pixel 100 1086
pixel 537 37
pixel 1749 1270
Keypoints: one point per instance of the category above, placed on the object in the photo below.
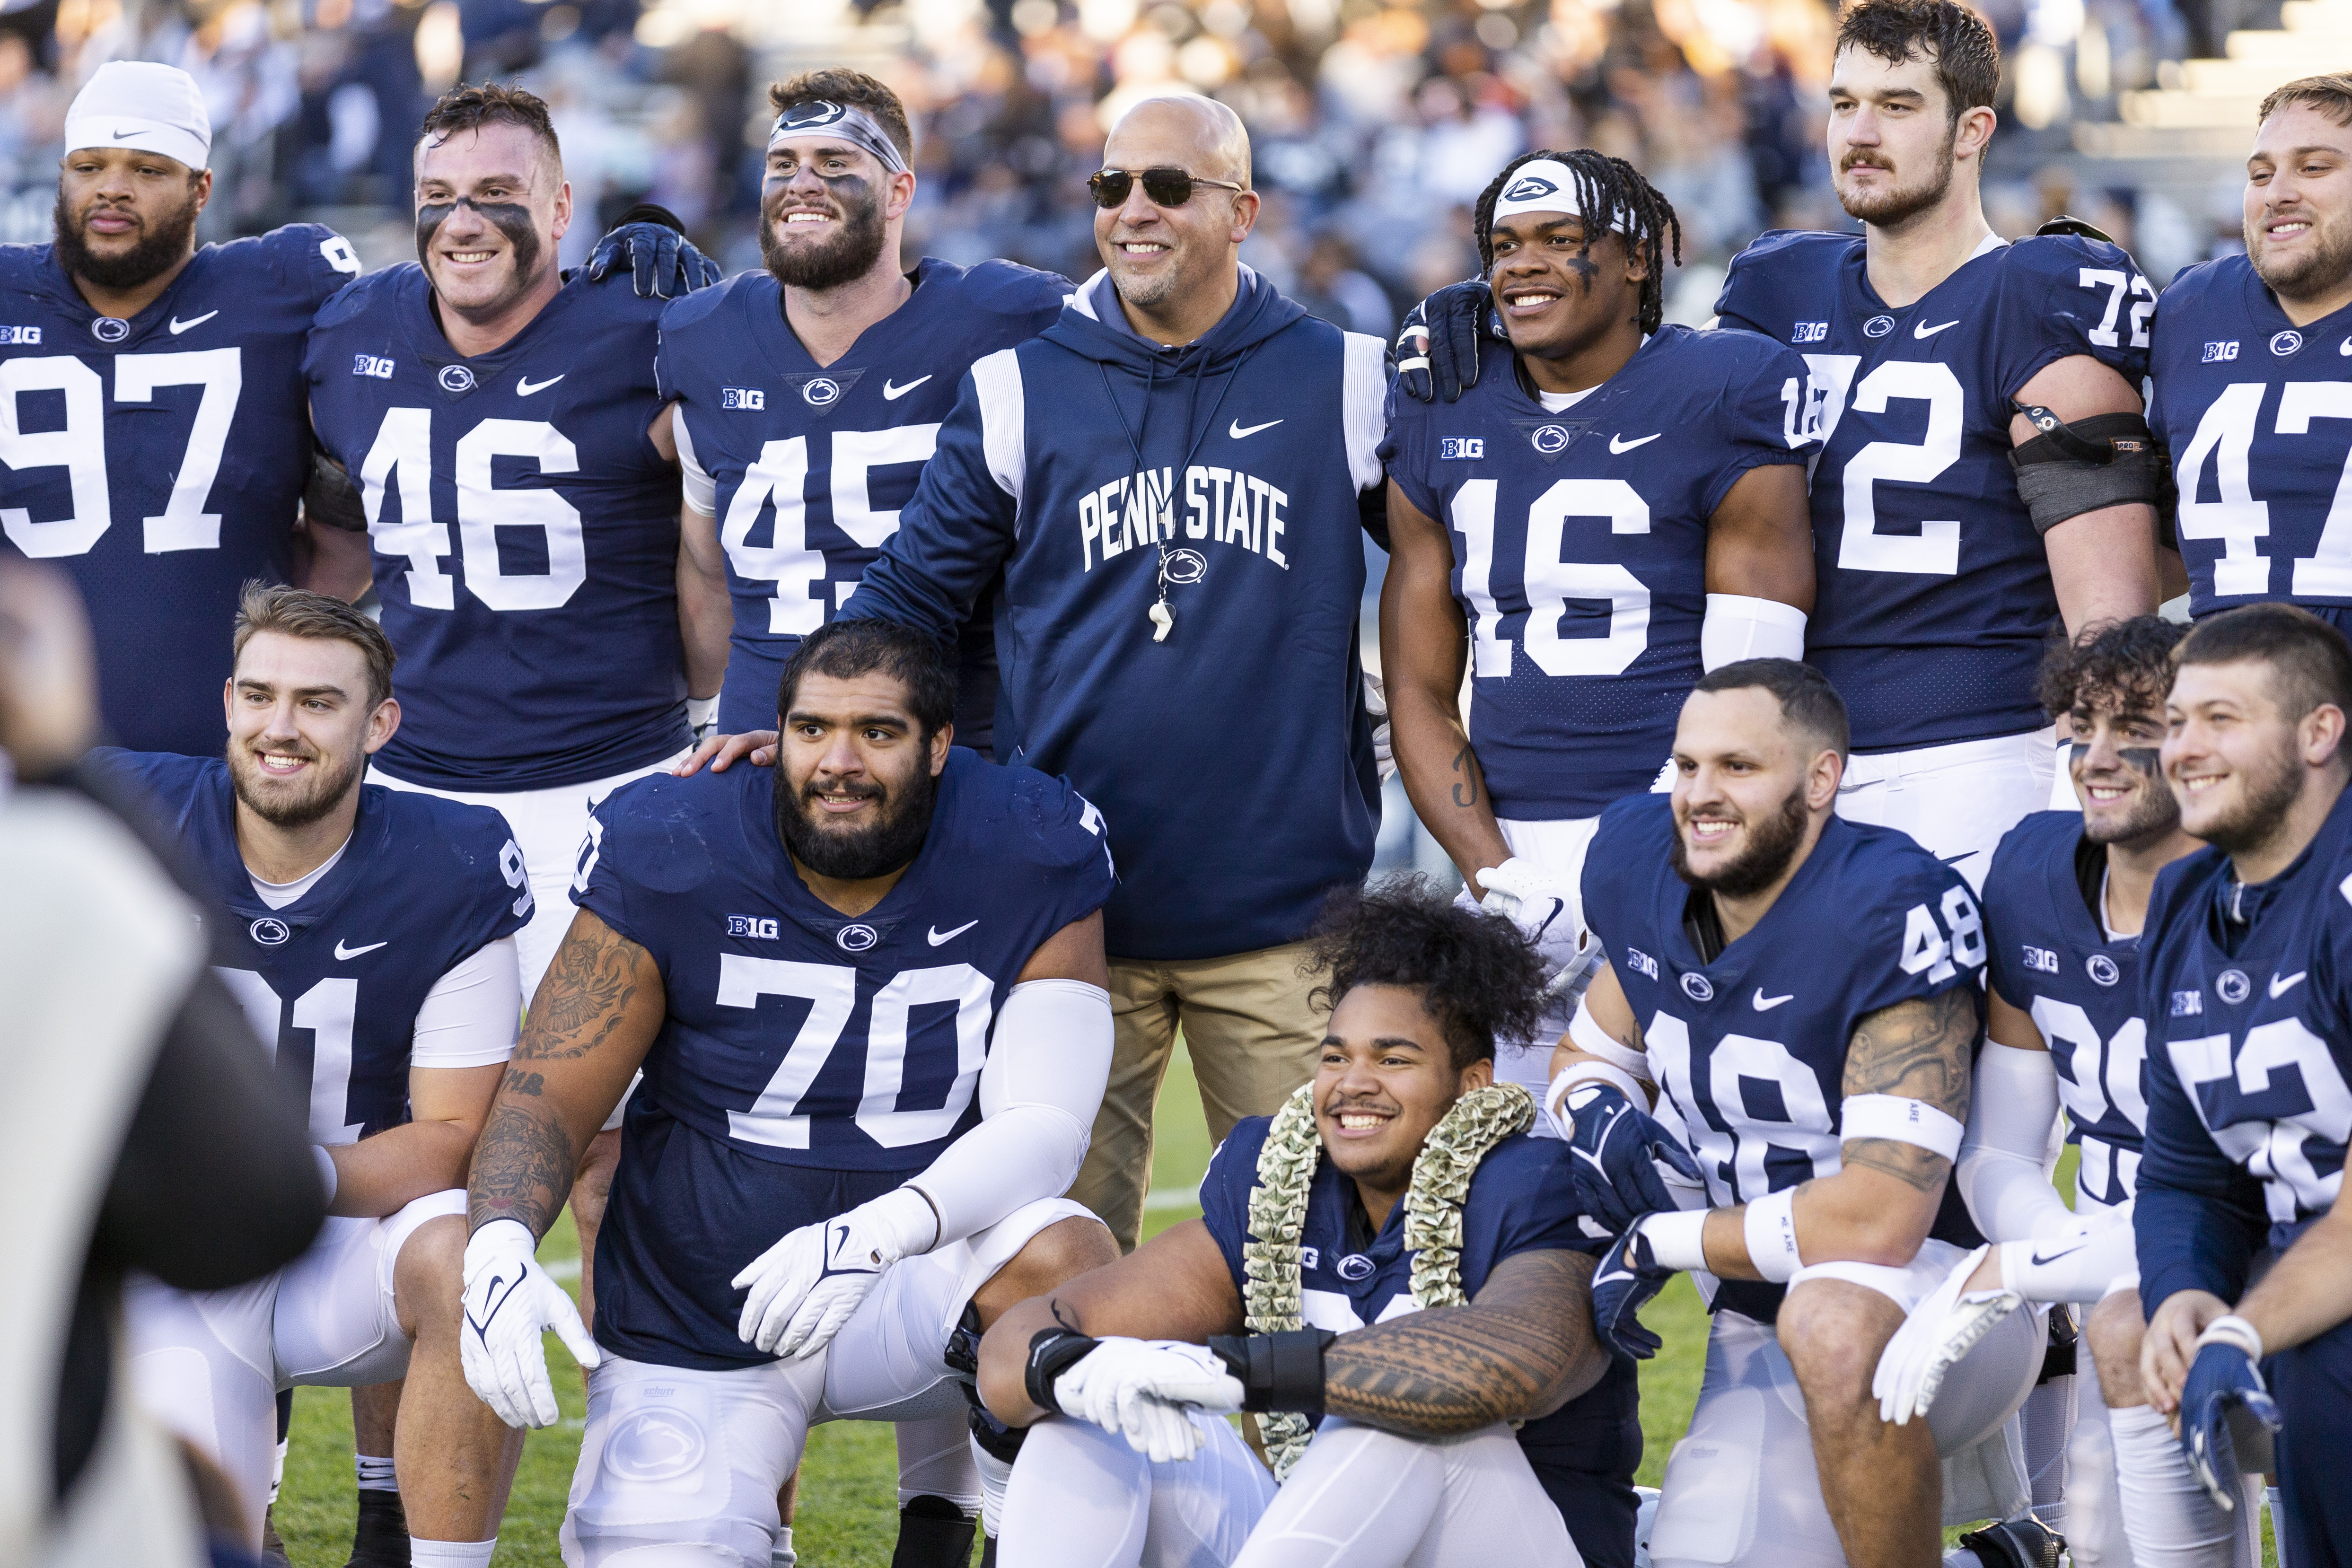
pixel 1375 124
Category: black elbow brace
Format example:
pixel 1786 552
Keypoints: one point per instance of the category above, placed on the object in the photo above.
pixel 1052 1352
pixel 2106 460
pixel 1278 1371
pixel 330 498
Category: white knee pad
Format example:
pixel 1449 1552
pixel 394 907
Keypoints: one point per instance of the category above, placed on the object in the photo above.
pixel 200 1365
pixel 1741 1487
pixel 679 1466
pixel 1364 1497
pixel 935 1461
pixel 336 1323
pixel 1080 1498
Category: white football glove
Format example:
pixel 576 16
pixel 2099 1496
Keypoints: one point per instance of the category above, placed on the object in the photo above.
pixel 509 1302
pixel 1939 1332
pixel 1141 1388
pixel 1376 704
pixel 807 1286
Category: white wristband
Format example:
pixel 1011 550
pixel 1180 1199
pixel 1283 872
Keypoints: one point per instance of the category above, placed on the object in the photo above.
pixel 1677 1241
pixel 1738 626
pixel 701 712
pixel 328 1176
pixel 1587 1075
pixel 1771 1227
pixel 1585 1033
pixel 1901 1121
pixel 2231 1329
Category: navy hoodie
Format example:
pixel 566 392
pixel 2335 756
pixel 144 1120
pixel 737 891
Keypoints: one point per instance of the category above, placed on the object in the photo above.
pixel 1097 470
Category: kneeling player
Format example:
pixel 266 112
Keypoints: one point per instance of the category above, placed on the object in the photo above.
pixel 868 990
pixel 1397 1190
pixel 2064 903
pixel 1803 991
pixel 371 942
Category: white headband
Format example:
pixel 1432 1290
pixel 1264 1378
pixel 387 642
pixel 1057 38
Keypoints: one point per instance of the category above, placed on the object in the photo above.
pixel 819 117
pixel 144 106
pixel 1545 185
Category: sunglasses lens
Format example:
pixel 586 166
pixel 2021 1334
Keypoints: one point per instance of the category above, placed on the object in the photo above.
pixel 1110 187
pixel 1167 187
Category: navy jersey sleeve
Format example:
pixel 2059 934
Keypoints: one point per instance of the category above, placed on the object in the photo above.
pixel 1626 832
pixel 1061 831
pixel 1921 934
pixel 2198 1216
pixel 1225 1190
pixel 2062 295
pixel 1759 391
pixel 311 260
pixel 634 846
pixel 1743 303
pixel 499 901
pixel 1524 1201
pixel 956 533
pixel 1402 452
pixel 674 338
pixel 2007 880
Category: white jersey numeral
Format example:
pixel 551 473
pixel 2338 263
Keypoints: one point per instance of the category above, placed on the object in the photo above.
pixel 831 989
pixel 402 457
pixel 1935 550
pixel 1733 1155
pixel 1550 582
pixel 2120 285
pixel 2272 1148
pixel 1926 949
pixel 79 447
pixel 2101 1073
pixel 327 1010
pixel 2225 434
pixel 2326 573
pixel 780 476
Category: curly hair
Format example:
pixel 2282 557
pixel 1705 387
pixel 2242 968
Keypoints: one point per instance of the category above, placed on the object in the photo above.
pixel 1952 37
pixel 2122 665
pixel 1478 977
pixel 1604 184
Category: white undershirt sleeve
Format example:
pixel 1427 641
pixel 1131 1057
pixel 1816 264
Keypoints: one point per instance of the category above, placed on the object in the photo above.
pixel 1038 1095
pixel 472 1014
pixel 701 490
pixel 2010 1112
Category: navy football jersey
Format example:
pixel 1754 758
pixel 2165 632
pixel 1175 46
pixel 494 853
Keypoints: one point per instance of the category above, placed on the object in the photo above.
pixel 2050 958
pixel 332 981
pixel 2250 408
pixel 1579 551
pixel 161 460
pixel 1751 1048
pixel 524 532
pixel 2251 1028
pixel 1933 591
pixel 801 1042
pixel 811 463
pixel 1520 1200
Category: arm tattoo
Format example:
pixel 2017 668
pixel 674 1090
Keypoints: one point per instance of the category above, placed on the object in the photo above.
pixel 1466 792
pixel 522 1168
pixel 1917 1049
pixel 1519 1351
pixel 584 998
pixel 1923 1169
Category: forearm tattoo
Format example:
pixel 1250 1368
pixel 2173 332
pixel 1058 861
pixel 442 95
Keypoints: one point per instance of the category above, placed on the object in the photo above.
pixel 1515 1352
pixel 522 1168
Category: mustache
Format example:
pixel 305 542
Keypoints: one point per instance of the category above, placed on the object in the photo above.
pixel 857 790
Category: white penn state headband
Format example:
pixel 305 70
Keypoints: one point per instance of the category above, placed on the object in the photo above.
pixel 822 116
pixel 144 106
pixel 1545 185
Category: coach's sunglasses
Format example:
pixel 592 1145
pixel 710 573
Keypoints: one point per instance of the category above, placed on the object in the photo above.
pixel 1162 187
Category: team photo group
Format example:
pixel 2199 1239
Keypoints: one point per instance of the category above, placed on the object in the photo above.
pixel 774 764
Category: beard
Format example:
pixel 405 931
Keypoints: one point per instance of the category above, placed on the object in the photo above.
pixel 161 246
pixel 2262 805
pixel 854 854
pixel 849 254
pixel 313 796
pixel 1772 844
pixel 2318 269
pixel 2157 812
pixel 1892 209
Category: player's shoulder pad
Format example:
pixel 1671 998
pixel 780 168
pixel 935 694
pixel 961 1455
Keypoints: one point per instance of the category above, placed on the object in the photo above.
pixel 2206 279
pixel 165 776
pixel 1884 870
pixel 664 834
pixel 370 290
pixel 1529 1172
pixel 1010 289
pixel 1726 356
pixel 2176 889
pixel 1633 837
pixel 1775 249
pixel 1018 813
pixel 1233 1165
pixel 2026 848
pixel 611 302
pixel 454 838
pixel 20 264
pixel 2059 257
pixel 682 314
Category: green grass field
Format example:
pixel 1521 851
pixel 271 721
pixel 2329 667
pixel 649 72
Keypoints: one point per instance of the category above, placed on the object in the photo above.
pixel 848 1502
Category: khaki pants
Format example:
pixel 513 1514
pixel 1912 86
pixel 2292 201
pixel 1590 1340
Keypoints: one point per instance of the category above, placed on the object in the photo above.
pixel 1253 1039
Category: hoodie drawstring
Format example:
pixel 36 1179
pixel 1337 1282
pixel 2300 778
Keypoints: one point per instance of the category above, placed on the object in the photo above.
pixel 1163 620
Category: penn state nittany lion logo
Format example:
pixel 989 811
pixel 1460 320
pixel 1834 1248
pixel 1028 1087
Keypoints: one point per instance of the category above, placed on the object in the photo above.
pixel 1529 188
pixel 810 115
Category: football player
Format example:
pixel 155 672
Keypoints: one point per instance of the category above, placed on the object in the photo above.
pixel 2065 904
pixel 2244 984
pixel 371 940
pixel 808 396
pixel 2249 364
pixel 866 989
pixel 1492 1428
pixel 1800 992
pixel 1662 463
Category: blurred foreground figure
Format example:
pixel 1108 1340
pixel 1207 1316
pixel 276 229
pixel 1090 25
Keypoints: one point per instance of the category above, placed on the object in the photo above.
pixel 144 1119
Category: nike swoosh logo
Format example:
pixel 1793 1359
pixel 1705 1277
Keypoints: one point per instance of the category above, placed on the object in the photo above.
pixel 1764 1004
pixel 1611 1276
pixel 892 392
pixel 2040 1259
pixel 523 387
pixel 939 935
pixel 1955 860
pixel 2282 984
pixel 493 1298
pixel 1924 330
pixel 1618 447
pixel 1239 430
pixel 344 958
pixel 120 134
pixel 179 326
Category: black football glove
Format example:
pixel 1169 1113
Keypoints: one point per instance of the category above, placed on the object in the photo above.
pixel 663 262
pixel 1438 349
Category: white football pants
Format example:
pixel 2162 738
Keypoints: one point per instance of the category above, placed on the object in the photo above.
pixel 1956 801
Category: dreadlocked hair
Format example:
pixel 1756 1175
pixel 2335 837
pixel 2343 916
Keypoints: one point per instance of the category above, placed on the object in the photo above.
pixel 1604 184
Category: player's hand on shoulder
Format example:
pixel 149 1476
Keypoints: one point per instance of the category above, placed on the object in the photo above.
pixel 510 1302
pixel 651 243
pixel 805 1288
pixel 1614 1147
pixel 1438 350
pixel 721 751
pixel 1141 1389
